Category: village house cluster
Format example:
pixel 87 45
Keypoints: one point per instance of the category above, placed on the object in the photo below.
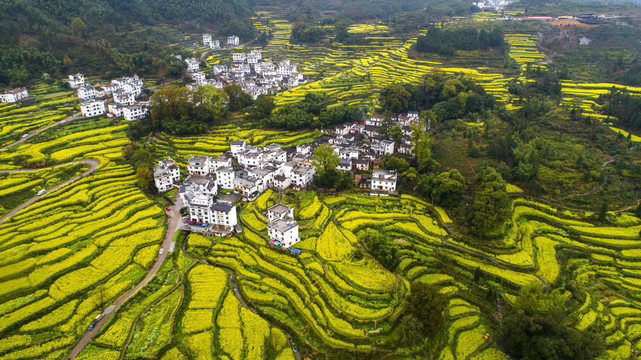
pixel 248 70
pixel 116 99
pixel 232 41
pixel 13 96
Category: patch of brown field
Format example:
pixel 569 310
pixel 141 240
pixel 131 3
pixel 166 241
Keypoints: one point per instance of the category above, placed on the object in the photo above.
pixel 401 241
pixel 571 22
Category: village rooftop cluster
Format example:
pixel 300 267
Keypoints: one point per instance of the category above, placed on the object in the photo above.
pixel 117 99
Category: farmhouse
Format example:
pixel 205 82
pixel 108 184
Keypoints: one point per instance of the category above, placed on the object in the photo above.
pixel 192 65
pixel 92 108
pixel 282 227
pixel 124 98
pixel 198 165
pixel 383 181
pixel 86 92
pixel 166 174
pixel 225 177
pixel 281 182
pixel 76 81
pixel 233 40
pixel 239 57
pixel 134 112
pixel 14 95
pixel 302 175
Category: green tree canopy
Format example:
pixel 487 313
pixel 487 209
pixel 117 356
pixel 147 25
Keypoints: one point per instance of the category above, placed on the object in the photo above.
pixel 491 205
pixel 325 159
pixel 447 187
pixel 394 98
pixel 238 99
pixel 427 304
pixel 263 106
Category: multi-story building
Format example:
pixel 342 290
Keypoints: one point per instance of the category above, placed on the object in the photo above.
pixel 225 177
pixel 134 112
pixel 383 181
pixel 198 165
pixel 14 95
pixel 76 81
pixel 166 174
pixel 207 40
pixel 239 57
pixel 192 65
pixel 233 40
pixel 302 175
pixel 86 92
pixel 124 98
pixel 92 108
pixel 281 226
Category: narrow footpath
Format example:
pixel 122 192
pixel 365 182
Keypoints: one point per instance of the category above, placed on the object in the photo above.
pixel 172 224
pixel 73 117
pixel 93 165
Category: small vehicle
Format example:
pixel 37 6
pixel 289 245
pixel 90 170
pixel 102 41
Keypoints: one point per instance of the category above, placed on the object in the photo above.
pixel 41 192
pixel 192 222
pixel 167 208
pixel 162 251
pixel 99 316
pixel 25 135
pixel 204 224
pixel 92 325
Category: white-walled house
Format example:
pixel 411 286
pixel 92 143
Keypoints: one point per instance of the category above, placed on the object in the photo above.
pixel 166 174
pixel 383 181
pixel 302 175
pixel 134 112
pixel 198 165
pixel 233 40
pixel 192 65
pixel 383 147
pixel 92 108
pixel 198 77
pixel 207 39
pixel 76 81
pixel 225 177
pixel 14 95
pixel 214 44
pixel 218 162
pixel 124 98
pixel 239 57
pixel 281 182
pixel 86 92
pixel 282 226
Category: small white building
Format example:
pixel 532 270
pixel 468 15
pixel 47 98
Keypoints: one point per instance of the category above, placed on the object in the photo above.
pixel 166 174
pixel 14 95
pixel 134 112
pixel 252 59
pixel 198 165
pixel 383 147
pixel 383 181
pixel 207 40
pixel 257 54
pixel 218 162
pixel 214 44
pixel 225 177
pixel 219 69
pixel 237 147
pixel 92 108
pixel 115 110
pixel 239 57
pixel 233 40
pixel 302 175
pixel 248 188
pixel 374 120
pixel 86 92
pixel 281 226
pixel 76 81
pixel 198 77
pixel 285 68
pixel 124 98
pixel 192 65
pixel 281 182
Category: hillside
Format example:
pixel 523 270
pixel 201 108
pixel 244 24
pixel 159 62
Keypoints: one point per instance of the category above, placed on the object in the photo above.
pixel 42 36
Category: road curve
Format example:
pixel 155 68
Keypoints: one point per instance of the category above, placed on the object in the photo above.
pixel 93 164
pixel 173 223
pixel 36 132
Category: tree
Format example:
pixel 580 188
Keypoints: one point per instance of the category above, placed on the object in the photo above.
pixel 395 133
pixel 144 178
pixel 491 205
pixel 412 330
pixel 447 186
pixel 238 99
pixel 427 305
pixel 536 328
pixel 78 27
pixel 382 248
pixel 422 149
pixel 263 106
pixel 325 159
pixel 394 98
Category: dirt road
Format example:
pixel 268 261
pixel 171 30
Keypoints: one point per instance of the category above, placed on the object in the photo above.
pixel 93 164
pixel 173 223
pixel 73 117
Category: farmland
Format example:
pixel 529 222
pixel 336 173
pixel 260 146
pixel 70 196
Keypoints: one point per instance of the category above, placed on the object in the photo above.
pixel 81 247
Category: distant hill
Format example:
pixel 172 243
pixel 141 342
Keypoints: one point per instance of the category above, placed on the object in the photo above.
pixel 50 36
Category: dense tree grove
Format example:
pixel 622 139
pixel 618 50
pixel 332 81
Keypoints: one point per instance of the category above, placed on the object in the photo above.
pixel 382 248
pixel 427 304
pixel 536 328
pixel 491 204
pixel 446 42
pixel 448 97
pixel 625 107
pixel 304 33
pixel 180 111
pixel 312 113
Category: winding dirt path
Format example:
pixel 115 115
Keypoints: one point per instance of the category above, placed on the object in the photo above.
pixel 173 223
pixel 73 117
pixel 93 164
